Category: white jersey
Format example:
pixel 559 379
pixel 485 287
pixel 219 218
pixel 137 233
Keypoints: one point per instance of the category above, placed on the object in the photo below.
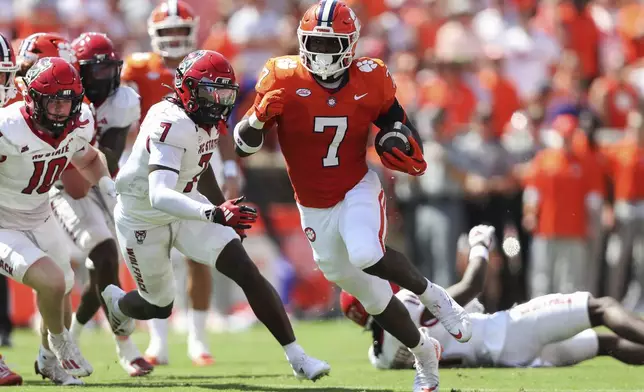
pixel 31 162
pixel 484 348
pixel 167 123
pixel 121 109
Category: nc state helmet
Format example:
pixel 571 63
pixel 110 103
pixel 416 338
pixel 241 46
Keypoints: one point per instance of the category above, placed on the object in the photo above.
pixel 39 45
pixel 8 67
pixel 163 27
pixel 205 85
pixel 328 34
pixel 100 65
pixel 52 79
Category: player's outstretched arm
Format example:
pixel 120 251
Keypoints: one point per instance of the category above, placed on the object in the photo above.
pixel 249 132
pixel 472 284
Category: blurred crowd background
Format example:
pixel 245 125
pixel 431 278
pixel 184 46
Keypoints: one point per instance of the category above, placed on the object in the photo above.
pixel 531 117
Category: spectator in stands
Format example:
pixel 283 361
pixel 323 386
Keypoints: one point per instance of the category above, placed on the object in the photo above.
pixel 562 199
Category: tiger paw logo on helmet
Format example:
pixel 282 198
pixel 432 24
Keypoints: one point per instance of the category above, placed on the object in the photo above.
pixel 366 65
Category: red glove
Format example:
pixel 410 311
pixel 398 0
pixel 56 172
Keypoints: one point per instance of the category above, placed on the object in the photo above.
pixel 272 105
pixel 397 160
pixel 231 213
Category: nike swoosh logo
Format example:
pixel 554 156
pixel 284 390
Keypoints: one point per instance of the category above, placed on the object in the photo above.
pixel 416 170
pixel 458 335
pixel 357 97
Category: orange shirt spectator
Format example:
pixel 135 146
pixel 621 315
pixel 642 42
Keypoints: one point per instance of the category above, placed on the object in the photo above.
pixel 582 36
pixel 456 98
pixel 626 168
pixel 563 183
pixel 614 99
pixel 505 100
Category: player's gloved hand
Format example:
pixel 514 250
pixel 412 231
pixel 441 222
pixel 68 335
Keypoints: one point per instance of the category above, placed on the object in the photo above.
pixel 271 105
pixel 397 160
pixel 231 213
pixel 481 235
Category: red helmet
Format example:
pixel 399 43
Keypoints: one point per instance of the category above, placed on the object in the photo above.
pixel 328 35
pixel 353 309
pixel 100 65
pixel 173 14
pixel 40 45
pixel 52 78
pixel 8 67
pixel 206 87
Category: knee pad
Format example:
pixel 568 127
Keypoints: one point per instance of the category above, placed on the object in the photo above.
pixel 373 293
pixel 365 255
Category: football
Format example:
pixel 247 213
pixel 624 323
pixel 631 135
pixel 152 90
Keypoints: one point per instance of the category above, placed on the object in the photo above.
pixel 398 137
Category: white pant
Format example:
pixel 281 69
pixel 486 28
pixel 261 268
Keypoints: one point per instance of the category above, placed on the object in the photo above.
pixel 87 221
pixel 350 237
pixel 20 249
pixel 544 320
pixel 147 252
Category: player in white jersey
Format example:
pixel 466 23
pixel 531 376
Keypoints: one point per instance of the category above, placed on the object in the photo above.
pixel 552 330
pixel 39 138
pixel 160 206
pixel 88 220
pixel 8 69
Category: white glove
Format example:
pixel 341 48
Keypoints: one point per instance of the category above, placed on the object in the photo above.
pixel 107 187
pixel 481 235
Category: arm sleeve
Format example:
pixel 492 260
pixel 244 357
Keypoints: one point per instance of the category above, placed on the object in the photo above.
pixel 162 183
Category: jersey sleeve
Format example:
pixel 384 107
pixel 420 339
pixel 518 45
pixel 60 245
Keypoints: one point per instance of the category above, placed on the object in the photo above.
pixel 385 82
pixel 266 81
pixel 85 126
pixel 126 107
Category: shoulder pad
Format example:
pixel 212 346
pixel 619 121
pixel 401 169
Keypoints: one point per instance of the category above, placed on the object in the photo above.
pixel 167 123
pixel 275 71
pixel 138 59
pixel 124 108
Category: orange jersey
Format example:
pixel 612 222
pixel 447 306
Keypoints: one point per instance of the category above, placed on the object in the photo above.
pixel 147 74
pixel 563 181
pixel 323 133
pixel 626 168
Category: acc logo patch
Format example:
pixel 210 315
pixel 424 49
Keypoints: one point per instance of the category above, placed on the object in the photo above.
pixel 303 92
pixel 310 234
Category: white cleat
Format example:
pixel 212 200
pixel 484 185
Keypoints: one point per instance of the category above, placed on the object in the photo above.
pixel 69 355
pixel 130 358
pixel 426 365
pixel 452 315
pixel 309 368
pixel 121 326
pixel 49 367
pixel 199 353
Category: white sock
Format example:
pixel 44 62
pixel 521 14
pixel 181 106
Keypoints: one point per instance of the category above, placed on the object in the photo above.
pixel 197 324
pixel 293 351
pixel 420 348
pixel 158 331
pixel 45 353
pixel 76 328
pixel 117 311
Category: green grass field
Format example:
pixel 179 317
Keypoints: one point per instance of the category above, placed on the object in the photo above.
pixel 253 361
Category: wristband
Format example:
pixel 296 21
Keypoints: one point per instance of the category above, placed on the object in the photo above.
pixel 479 251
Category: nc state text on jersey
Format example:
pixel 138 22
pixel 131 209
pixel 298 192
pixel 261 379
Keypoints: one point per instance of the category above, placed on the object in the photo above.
pixel 207 146
pixel 63 150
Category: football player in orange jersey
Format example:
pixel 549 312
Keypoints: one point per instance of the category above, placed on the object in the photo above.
pixel 8 69
pixel 323 104
pixel 172 27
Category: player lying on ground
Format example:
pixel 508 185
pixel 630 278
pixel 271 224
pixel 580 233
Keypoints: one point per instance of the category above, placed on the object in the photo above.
pixel 552 330
pixel 162 204
pixel 40 137
pixel 81 210
pixel 323 104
